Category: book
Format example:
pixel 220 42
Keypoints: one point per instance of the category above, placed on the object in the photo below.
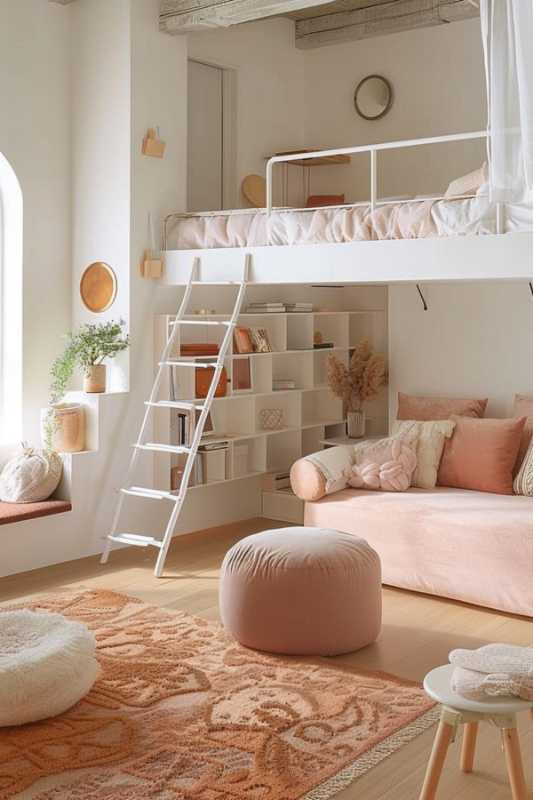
pixel 280 384
pixel 323 346
pixel 265 308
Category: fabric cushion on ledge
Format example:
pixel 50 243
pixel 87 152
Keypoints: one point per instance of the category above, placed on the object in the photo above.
pixel 523 407
pixel 481 454
pixel 301 591
pixel 431 437
pixel 426 409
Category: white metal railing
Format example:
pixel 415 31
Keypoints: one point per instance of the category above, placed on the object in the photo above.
pixel 373 150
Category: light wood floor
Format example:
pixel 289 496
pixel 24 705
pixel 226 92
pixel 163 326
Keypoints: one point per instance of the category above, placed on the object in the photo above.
pixel 418 632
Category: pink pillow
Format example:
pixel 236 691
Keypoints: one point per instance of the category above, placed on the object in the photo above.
pixel 432 408
pixel 481 454
pixel 523 407
pixel 388 465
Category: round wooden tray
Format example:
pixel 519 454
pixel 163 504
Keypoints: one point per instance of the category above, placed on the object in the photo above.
pixel 98 287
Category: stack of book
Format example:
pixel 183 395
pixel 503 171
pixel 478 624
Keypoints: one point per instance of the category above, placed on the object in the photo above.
pixel 303 308
pixel 322 345
pixel 266 308
pixel 282 384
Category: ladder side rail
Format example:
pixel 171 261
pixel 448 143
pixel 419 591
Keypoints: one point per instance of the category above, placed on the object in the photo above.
pixel 182 310
pixel 167 538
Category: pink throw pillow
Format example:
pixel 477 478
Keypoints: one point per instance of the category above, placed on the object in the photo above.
pixel 523 407
pixel 481 454
pixel 431 408
pixel 387 465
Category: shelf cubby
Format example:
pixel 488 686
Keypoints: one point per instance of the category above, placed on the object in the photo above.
pixel 320 407
pixel 283 449
pixel 288 402
pixel 333 326
pixel 295 366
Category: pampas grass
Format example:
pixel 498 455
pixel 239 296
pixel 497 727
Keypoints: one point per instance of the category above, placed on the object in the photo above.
pixel 361 381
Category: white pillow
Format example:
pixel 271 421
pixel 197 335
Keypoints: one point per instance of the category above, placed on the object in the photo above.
pixel 30 477
pixel 468 184
pixel 429 447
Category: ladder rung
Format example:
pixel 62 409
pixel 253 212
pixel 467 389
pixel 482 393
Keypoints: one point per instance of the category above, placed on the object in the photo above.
pixel 133 538
pixel 200 322
pixel 183 405
pixel 194 364
pixel 152 494
pixel 162 448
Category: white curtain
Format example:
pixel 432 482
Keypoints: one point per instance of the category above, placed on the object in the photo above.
pixel 507 33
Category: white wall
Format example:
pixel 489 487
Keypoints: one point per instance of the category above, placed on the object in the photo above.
pixel 438 81
pixel 35 138
pixel 101 148
pixel 270 82
pixel 476 340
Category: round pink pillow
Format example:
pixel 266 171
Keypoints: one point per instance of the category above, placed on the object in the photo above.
pixel 302 591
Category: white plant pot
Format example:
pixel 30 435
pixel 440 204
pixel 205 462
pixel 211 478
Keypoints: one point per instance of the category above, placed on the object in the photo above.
pixel 355 424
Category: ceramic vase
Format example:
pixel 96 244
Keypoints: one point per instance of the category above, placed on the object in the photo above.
pixel 355 424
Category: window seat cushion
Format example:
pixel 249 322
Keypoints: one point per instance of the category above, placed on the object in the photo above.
pixel 16 512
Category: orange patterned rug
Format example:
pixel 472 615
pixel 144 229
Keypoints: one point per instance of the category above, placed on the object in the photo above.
pixel 181 712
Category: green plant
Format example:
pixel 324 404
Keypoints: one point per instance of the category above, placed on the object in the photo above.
pixel 94 343
pixel 88 346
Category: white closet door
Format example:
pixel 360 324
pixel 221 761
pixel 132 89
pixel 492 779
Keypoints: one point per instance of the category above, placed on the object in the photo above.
pixel 204 138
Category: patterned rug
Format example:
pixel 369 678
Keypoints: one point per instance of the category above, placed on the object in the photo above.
pixel 181 712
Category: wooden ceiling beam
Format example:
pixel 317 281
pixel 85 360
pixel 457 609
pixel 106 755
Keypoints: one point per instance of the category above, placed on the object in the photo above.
pixel 381 19
pixel 184 16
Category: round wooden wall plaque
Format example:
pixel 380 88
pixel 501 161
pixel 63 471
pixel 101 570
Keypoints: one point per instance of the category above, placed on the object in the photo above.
pixel 98 287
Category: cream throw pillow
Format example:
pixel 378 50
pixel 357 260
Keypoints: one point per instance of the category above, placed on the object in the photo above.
pixel 523 483
pixel 431 438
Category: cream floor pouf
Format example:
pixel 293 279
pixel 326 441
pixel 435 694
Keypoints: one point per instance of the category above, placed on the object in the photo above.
pixel 47 664
pixel 302 591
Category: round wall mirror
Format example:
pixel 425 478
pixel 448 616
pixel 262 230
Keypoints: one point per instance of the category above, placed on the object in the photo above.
pixel 98 287
pixel 373 97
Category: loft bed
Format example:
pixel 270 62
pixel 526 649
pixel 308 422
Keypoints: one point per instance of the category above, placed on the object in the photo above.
pixel 462 237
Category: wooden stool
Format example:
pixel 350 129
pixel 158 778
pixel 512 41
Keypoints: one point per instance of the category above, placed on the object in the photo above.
pixel 457 710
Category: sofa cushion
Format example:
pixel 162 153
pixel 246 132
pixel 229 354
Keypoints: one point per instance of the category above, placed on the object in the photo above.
pixel 469 546
pixel 523 407
pixel 429 408
pixel 431 437
pixel 481 454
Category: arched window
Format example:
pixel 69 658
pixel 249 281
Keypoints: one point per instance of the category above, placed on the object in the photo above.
pixel 10 304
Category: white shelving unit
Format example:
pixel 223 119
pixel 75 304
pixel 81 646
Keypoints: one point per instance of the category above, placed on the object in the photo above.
pixel 311 413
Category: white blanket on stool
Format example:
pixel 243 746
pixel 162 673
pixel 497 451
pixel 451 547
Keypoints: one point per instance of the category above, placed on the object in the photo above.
pixel 495 670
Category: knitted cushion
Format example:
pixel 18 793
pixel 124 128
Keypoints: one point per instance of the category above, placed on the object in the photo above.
pixel 30 477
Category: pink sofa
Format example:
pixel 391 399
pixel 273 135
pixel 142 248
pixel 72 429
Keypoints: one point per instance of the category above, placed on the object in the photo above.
pixel 470 546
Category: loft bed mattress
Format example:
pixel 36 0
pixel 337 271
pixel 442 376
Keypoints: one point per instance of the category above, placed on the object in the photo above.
pixel 417 219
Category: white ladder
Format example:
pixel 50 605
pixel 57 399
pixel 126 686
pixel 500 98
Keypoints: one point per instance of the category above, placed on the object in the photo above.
pixel 153 403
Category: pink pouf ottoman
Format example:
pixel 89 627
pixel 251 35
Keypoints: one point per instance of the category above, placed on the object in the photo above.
pixel 302 591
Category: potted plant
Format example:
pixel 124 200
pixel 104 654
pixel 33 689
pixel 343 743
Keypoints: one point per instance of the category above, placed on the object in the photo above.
pixel 93 344
pixel 357 383
pixel 63 423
